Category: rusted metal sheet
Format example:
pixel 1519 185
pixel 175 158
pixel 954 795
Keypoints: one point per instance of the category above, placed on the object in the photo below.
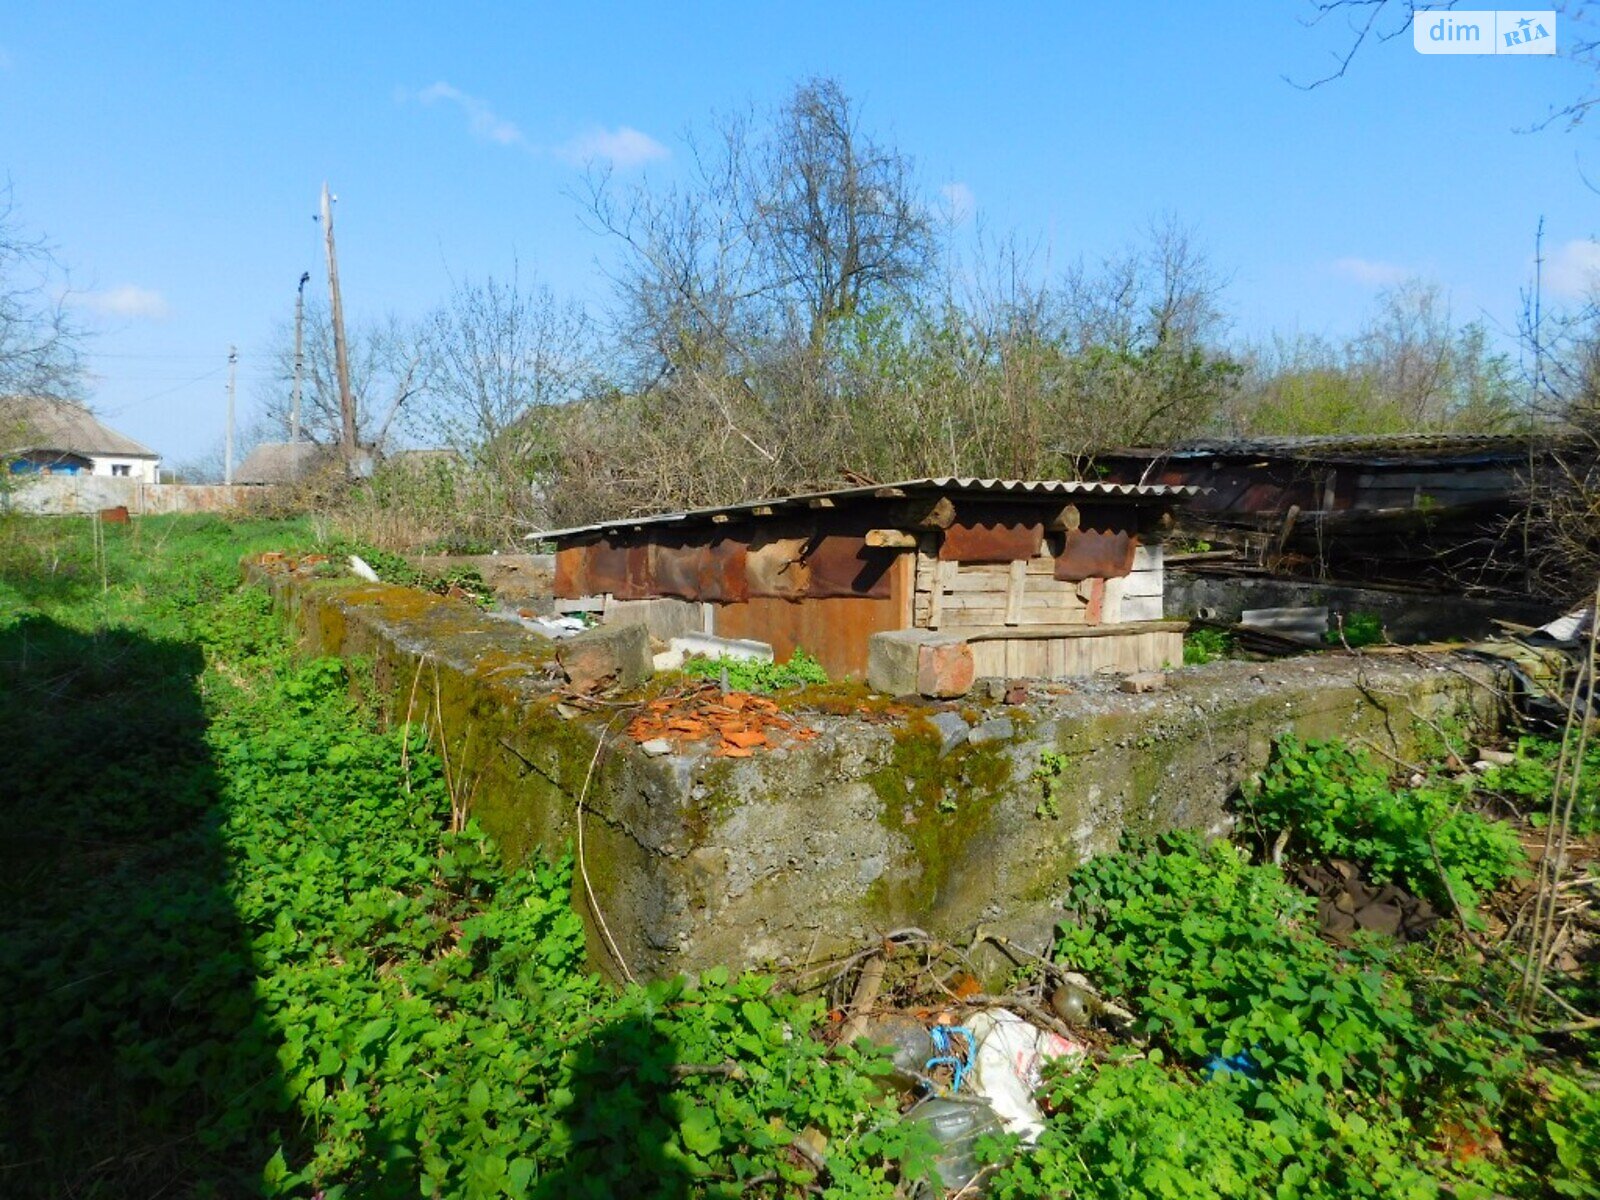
pixel 605 569
pixel 992 533
pixel 1091 553
pixel 834 631
pixel 569 573
pixel 844 565
pixel 777 567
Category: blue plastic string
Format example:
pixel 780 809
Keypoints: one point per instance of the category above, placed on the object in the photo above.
pixel 944 1043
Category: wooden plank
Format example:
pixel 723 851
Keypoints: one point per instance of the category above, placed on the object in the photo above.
pixel 936 611
pixel 1015 590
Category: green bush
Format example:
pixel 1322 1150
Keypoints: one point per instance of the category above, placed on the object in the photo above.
pixel 1358 629
pixel 1338 803
pixel 1201 646
pixel 1530 780
pixel 1347 1063
pixel 747 675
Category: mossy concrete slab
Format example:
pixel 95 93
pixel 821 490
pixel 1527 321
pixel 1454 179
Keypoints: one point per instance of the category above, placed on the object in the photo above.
pixel 798 852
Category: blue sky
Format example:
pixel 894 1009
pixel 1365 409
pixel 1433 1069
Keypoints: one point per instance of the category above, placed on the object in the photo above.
pixel 174 153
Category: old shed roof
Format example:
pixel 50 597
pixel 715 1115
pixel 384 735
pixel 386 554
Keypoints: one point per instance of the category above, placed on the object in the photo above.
pixel 1374 449
pixel 953 486
pixel 44 423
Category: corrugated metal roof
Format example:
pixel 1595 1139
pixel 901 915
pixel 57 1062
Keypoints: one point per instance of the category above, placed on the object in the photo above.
pixel 946 485
pixel 44 423
pixel 1397 447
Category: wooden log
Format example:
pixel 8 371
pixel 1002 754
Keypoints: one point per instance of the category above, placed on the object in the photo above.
pixel 891 539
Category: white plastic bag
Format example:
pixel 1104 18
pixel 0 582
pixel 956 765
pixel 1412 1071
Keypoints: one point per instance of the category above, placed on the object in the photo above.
pixel 1009 1065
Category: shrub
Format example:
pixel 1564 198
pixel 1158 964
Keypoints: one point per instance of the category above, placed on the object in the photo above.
pixel 1338 803
pixel 1356 629
pixel 748 675
pixel 1201 646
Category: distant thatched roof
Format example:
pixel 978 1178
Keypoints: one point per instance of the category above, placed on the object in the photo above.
pixel 283 462
pixel 43 424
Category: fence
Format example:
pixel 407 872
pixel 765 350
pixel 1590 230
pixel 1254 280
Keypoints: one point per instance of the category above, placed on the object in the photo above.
pixel 58 495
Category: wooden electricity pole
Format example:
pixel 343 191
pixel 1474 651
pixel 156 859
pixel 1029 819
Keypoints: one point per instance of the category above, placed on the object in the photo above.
pixel 299 354
pixel 227 452
pixel 341 356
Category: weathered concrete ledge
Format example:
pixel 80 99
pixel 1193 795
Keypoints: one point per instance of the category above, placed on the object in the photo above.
pixel 895 815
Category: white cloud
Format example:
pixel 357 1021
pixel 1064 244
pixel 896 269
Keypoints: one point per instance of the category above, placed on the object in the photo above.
pixel 126 300
pixel 1573 271
pixel 485 124
pixel 959 201
pixel 623 146
pixel 1371 272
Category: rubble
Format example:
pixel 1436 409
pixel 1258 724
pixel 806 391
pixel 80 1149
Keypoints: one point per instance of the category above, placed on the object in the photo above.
pixel 734 724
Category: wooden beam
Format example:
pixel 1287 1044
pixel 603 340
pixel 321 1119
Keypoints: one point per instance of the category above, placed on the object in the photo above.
pixel 921 514
pixel 761 510
pixel 820 502
pixel 891 539
pixel 1067 519
pixel 888 493
pixel 1015 588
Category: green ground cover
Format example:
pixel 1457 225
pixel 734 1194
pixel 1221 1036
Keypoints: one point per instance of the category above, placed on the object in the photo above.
pixel 243 955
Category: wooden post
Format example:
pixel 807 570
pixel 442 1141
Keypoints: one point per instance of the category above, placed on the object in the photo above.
pixel 341 354
pixel 1016 586
pixel 227 447
pixel 299 354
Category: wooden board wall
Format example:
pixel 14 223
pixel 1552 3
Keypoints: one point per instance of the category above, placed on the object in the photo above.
pixel 955 596
pixel 1056 658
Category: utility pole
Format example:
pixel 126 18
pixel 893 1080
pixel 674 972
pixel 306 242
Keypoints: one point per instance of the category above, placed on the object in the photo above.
pixel 227 453
pixel 299 354
pixel 341 357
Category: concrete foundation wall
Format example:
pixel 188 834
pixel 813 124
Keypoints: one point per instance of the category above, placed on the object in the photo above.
pixel 894 815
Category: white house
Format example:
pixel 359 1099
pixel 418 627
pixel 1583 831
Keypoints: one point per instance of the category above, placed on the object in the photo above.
pixel 41 435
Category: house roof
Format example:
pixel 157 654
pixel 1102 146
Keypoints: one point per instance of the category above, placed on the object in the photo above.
pixel 954 486
pixel 44 423
pixel 1376 449
pixel 281 462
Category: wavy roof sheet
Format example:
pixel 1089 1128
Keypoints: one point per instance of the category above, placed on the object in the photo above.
pixel 948 485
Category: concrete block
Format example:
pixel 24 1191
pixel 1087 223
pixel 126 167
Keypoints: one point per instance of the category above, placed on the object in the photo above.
pixel 605 657
pixel 1143 681
pixel 952 727
pixel 996 729
pixel 919 661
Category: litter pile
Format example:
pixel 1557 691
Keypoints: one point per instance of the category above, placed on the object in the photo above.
pixel 967 1065
pixel 279 563
pixel 736 724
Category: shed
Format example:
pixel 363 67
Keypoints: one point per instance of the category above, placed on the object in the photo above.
pixel 1403 508
pixel 1042 577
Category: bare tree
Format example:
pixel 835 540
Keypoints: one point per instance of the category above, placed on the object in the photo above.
pixel 1369 22
pixel 387 373
pixel 40 344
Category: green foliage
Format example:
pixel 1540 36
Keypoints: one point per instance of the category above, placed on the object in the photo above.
pixel 1356 629
pixel 394 568
pixel 262 964
pixel 1052 766
pixel 1338 803
pixel 1355 1058
pixel 1201 646
pixel 1531 779
pixel 747 675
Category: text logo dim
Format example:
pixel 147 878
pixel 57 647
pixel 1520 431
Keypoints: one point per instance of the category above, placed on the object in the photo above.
pixel 1487 32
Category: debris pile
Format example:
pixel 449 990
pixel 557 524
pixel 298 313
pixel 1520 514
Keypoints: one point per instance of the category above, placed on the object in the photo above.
pixel 279 563
pixel 735 724
pixel 966 1064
